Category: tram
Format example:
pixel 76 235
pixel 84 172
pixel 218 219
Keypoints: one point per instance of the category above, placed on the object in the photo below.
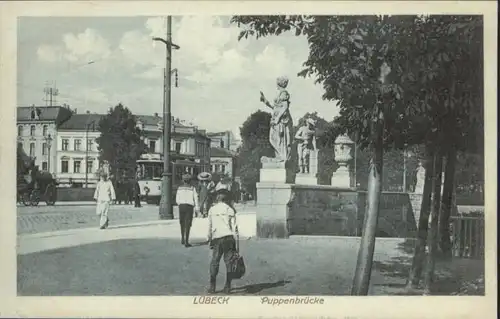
pixel 150 170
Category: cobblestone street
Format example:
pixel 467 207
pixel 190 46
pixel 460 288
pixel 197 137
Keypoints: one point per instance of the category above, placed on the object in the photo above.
pixel 51 218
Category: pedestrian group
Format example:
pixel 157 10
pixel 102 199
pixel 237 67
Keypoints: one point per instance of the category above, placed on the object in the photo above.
pixel 212 200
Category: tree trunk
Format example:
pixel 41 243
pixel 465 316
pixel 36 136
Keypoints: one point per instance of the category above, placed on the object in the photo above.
pixel 423 224
pixel 432 235
pixel 447 204
pixel 361 282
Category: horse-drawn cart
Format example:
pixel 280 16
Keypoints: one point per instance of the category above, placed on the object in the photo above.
pixel 34 185
pixel 41 187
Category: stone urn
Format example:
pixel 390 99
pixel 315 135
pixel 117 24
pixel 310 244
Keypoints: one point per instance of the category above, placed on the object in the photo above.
pixel 343 147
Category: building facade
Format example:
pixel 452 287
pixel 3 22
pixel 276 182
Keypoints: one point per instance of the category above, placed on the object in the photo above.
pixel 77 153
pixel 222 162
pixel 187 141
pixel 225 139
pixel 77 158
pixel 37 133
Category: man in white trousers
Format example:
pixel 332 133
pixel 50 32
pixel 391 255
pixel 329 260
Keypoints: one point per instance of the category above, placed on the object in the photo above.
pixel 104 195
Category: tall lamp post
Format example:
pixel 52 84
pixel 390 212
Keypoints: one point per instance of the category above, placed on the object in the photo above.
pixel 48 139
pixel 165 210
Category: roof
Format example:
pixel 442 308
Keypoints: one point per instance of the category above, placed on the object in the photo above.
pixel 80 121
pixel 154 120
pixel 47 113
pixel 217 133
pixel 220 152
pixel 149 119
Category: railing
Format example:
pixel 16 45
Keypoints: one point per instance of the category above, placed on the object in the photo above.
pixel 467 236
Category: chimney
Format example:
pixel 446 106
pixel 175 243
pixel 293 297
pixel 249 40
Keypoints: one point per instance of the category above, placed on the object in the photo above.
pixel 88 112
pixel 156 114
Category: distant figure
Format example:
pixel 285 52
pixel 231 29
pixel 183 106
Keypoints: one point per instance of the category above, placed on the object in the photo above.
pixel 204 179
pixel 187 201
pixel 211 188
pixel 104 194
pixel 137 193
pixel 222 233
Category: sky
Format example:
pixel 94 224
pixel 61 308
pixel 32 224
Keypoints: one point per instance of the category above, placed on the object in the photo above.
pixel 219 76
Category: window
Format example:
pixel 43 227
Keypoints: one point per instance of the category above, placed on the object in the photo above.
pixel 20 130
pixel 223 169
pixel 90 145
pixel 45 166
pixel 64 166
pixel 78 144
pixel 65 144
pixel 221 143
pixel 44 149
pixel 32 130
pixel 152 146
pixel 178 147
pixel 76 166
pixel 90 165
pixel 45 129
pixel 32 149
pixel 20 145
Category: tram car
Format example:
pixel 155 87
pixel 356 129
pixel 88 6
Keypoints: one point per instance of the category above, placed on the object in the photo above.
pixel 149 175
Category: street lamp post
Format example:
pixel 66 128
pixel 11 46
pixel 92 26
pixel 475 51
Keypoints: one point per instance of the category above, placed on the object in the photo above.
pixel 165 210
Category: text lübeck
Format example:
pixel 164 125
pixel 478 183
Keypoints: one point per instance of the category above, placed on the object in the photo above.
pixel 212 300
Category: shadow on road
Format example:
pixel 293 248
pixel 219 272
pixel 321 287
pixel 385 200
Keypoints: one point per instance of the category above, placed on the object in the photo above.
pixel 256 288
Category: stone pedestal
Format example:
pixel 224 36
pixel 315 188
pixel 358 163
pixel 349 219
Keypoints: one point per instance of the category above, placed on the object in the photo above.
pixel 273 172
pixel 272 209
pixel 342 177
pixel 273 195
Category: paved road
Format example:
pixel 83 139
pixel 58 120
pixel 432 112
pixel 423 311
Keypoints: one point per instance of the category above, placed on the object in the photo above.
pixel 51 218
pixel 44 219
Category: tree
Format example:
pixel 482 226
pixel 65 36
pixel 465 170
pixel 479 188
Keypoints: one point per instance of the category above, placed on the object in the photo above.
pixel 255 144
pixel 450 96
pixel 358 60
pixel 120 142
pixel 398 85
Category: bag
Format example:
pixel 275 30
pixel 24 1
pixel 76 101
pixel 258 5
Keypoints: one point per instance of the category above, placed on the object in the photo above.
pixel 238 267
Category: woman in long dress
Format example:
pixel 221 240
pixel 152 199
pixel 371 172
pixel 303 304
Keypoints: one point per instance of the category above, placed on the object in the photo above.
pixel 280 134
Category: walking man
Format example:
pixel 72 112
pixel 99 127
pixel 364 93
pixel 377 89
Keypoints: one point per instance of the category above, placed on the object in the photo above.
pixel 104 194
pixel 137 193
pixel 187 201
pixel 204 179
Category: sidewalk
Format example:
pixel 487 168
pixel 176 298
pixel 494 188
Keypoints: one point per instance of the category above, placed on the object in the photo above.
pixel 38 242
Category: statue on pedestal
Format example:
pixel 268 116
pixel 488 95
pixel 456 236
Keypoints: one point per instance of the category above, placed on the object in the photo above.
pixel 307 142
pixel 419 187
pixel 280 134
